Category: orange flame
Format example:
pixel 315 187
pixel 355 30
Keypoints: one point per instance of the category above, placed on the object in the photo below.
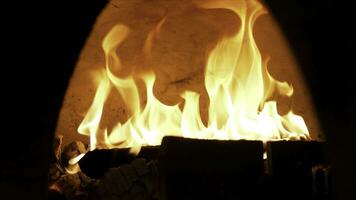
pixel 237 82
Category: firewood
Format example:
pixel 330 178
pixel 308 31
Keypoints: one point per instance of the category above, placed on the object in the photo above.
pixel 61 183
pixel 96 163
pixel 290 164
pixel 72 150
pixel 71 186
pixel 137 180
pixel 55 172
pixel 202 169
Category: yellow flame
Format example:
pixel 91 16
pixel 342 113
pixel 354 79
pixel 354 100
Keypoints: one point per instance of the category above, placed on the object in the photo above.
pixel 91 121
pixel 237 82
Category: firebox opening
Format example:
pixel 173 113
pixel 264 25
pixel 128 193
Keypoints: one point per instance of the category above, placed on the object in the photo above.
pixel 178 59
pixel 219 74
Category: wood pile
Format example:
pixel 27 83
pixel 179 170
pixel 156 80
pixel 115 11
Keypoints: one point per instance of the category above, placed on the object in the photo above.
pixel 135 179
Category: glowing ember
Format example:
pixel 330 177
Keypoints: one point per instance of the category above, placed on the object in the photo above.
pixel 237 82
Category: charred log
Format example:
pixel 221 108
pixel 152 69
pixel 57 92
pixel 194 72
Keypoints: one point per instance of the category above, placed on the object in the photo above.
pixel 210 169
pixel 298 165
pixel 137 180
pixel 183 168
pixel 96 163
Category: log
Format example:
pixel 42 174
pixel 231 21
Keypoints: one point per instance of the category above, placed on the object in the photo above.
pixel 97 162
pixel 290 163
pixel 210 169
pixel 137 180
pixel 70 151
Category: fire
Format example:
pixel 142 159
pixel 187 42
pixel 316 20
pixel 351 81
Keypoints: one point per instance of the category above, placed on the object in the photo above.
pixel 236 79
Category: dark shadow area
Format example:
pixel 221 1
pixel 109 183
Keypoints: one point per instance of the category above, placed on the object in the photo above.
pixel 43 40
pixel 41 45
pixel 322 36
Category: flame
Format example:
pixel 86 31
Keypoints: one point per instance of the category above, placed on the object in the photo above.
pixel 236 79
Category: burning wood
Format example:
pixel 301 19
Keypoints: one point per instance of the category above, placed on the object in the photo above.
pixel 116 174
pixel 138 180
pixel 209 169
pixel 96 163
pixel 71 152
pixel 63 183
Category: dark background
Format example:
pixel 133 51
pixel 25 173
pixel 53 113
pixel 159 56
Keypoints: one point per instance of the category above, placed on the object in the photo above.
pixel 41 42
